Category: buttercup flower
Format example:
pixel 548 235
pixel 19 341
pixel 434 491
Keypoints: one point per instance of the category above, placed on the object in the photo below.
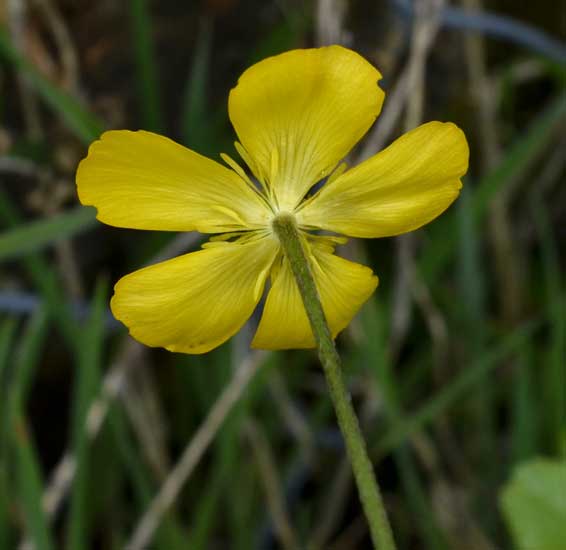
pixel 297 115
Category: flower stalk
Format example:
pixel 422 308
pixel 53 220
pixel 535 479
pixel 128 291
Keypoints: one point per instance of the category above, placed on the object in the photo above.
pixel 368 489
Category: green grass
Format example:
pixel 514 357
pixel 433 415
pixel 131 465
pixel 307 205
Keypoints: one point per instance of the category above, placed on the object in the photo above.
pixel 147 79
pixel 29 237
pixel 461 413
pixel 70 110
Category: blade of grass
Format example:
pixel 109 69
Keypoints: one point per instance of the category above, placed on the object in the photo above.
pixel 525 409
pixel 519 156
pixel 554 375
pixel 419 502
pixel 26 463
pixel 146 70
pixel 30 486
pixel 79 120
pixel 241 517
pixel 226 456
pixel 482 404
pixel 195 130
pixel 455 390
pixel 5 528
pixel 27 356
pixel 7 332
pixel 471 278
pixel 35 235
pixel 177 477
pixel 45 280
pixel 86 388
pixel 285 35
pixel 169 535
pixel 375 354
pixel 207 513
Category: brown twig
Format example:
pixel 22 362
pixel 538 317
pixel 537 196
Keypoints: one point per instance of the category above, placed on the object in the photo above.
pixel 271 485
pixel 16 15
pixel 145 529
pixel 114 381
pixel 147 418
pixel 64 42
pixel 62 476
pixel 425 29
pixel 292 417
pixel 485 101
pixel 330 23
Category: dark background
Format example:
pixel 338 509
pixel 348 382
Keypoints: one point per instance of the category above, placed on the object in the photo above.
pixel 456 365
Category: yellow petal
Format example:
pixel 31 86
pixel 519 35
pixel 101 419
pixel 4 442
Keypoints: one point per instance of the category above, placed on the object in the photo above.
pixel 343 287
pixel 400 189
pixel 142 180
pixel 195 302
pixel 301 112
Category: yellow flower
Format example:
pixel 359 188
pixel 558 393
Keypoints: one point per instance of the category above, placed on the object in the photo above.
pixel 297 115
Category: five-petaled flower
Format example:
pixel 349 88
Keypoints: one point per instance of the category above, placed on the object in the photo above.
pixel 297 115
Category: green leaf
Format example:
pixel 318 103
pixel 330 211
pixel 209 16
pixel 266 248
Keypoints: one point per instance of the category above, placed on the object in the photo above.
pixel 534 505
pixel 32 236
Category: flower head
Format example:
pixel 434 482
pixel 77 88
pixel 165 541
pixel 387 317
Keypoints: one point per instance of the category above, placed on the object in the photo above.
pixel 297 115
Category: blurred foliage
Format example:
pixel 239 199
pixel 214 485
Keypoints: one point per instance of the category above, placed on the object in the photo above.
pixel 454 405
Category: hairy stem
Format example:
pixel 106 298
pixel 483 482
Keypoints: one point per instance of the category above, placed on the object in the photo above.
pixel 370 496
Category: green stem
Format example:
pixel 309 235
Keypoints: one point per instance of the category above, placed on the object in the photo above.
pixel 290 239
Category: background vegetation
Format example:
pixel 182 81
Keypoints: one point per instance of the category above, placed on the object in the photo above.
pixel 456 365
